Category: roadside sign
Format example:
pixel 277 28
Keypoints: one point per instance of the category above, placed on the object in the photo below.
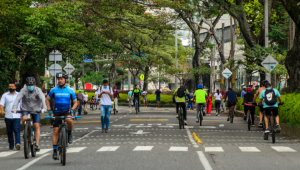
pixel 142 82
pixel 254 83
pixel 54 68
pixel 69 68
pixel 142 76
pixel 55 55
pixel 269 63
pixel 226 73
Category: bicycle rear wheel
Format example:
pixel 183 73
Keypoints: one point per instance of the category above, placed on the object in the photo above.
pixel 201 117
pixel 231 115
pixel 26 136
pixel 181 117
pixel 272 126
pixel 32 145
pixel 63 146
pixel 249 120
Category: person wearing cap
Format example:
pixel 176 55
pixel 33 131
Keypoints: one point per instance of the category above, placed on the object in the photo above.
pixel 158 96
pixel 232 100
pixel 200 96
pixel 248 103
pixel 243 91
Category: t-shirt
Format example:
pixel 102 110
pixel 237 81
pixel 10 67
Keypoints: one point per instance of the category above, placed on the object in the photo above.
pixel 200 96
pixel 262 96
pixel 80 96
pixel 218 96
pixel 130 93
pixel 85 97
pixel 105 98
pixel 243 93
pixel 223 93
pixel 136 93
pixel 96 95
pixel 93 100
pixel 231 96
pixel 157 93
pixel 62 97
pixel 248 97
pixel 180 99
pixel 144 94
pixel 116 93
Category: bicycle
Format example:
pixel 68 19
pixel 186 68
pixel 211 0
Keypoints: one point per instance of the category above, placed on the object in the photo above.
pixel 62 142
pixel 180 117
pixel 231 112
pixel 136 105
pixel 29 137
pixel 200 114
pixel 272 126
pixel 249 117
pixel 92 105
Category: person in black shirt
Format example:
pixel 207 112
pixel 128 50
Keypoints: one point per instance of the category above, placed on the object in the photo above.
pixel 248 104
pixel 158 97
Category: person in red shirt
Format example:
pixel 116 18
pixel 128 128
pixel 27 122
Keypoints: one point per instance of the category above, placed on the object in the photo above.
pixel 208 104
pixel 116 93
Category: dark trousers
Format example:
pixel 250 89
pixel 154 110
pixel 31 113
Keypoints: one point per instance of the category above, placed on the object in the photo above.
pixel 218 104
pixel 80 107
pixel 13 126
pixel 252 111
pixel 138 101
pixel 183 107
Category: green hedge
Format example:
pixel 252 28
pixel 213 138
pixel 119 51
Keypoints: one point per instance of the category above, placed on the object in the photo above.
pixel 151 98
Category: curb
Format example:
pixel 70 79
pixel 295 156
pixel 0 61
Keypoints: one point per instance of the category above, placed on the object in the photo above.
pixel 292 131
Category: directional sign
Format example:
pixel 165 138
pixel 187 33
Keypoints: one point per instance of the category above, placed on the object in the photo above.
pixel 54 68
pixel 55 55
pixel 226 73
pixel 142 76
pixel 69 68
pixel 269 63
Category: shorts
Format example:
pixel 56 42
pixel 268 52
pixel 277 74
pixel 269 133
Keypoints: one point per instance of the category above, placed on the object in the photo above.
pixel 269 109
pixel 35 117
pixel 84 102
pixel 158 99
pixel 229 104
pixel 57 122
pixel 261 108
pixel 144 99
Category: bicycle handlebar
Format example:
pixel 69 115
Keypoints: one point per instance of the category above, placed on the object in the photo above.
pixel 61 117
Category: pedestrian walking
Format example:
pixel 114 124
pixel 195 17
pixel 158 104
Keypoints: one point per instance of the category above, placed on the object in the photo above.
pixel 130 98
pixel 116 95
pixel 96 99
pixel 79 96
pixel 191 101
pixel 85 100
pixel 105 93
pixel 218 97
pixel 157 92
pixel 144 94
pixel 12 120
pixel 208 104
pixel 223 108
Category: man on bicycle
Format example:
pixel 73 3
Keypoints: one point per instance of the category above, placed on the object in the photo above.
pixel 179 95
pixel 33 100
pixel 232 99
pixel 136 96
pixel 261 109
pixel 62 95
pixel 268 98
pixel 200 96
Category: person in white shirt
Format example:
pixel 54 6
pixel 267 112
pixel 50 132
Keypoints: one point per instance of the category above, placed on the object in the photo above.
pixel 218 97
pixel 85 100
pixel 105 93
pixel 12 120
pixel 97 101
pixel 144 94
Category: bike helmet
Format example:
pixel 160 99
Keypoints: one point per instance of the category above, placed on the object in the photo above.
pixel 30 81
pixel 62 74
pixel 200 86
pixel 248 89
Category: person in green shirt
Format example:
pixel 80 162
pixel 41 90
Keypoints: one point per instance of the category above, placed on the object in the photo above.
pixel 179 95
pixel 200 96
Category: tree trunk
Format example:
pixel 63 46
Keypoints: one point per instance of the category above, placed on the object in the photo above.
pixel 196 59
pixel 146 78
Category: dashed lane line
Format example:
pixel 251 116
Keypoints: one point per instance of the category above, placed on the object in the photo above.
pixel 204 161
pixel 33 161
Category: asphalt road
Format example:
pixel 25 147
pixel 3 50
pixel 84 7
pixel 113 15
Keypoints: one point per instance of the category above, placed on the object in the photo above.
pixel 152 140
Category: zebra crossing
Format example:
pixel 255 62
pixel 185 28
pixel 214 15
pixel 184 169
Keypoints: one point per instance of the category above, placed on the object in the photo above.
pixel 281 149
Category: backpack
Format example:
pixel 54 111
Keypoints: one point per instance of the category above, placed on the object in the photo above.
pixel 270 97
pixel 181 92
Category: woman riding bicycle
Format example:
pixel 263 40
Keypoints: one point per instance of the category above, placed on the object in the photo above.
pixel 248 105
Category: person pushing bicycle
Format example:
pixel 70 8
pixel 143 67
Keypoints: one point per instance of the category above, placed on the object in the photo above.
pixel 33 100
pixel 200 96
pixel 62 95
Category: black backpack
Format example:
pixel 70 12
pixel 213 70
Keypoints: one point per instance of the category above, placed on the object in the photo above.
pixel 270 97
pixel 181 92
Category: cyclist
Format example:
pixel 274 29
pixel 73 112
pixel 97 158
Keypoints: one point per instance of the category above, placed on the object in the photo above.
pixel 261 109
pixel 200 96
pixel 232 99
pixel 33 99
pixel 268 98
pixel 180 100
pixel 136 96
pixel 62 95
pixel 248 103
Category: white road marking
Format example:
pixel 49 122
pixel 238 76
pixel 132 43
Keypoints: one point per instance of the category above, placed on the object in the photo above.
pixel 85 136
pixel 33 161
pixel 207 127
pixel 46 134
pixel 108 148
pixel 141 126
pixel 191 138
pixel 172 124
pixel 81 128
pixel 7 153
pixel 139 132
pixel 249 149
pixel 174 148
pixel 42 151
pixel 165 126
pixel 75 150
pixel 189 127
pixel 283 149
pixel 204 161
pixel 214 149
pixel 143 148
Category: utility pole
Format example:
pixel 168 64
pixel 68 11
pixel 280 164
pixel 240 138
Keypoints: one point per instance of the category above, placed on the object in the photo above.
pixel 82 65
pixel 176 62
pixel 212 77
pixel 232 55
pixel 266 17
pixel 222 67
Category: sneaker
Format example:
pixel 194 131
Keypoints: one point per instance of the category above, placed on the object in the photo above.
pixel 217 114
pixel 228 119
pixel 260 125
pixel 10 149
pixel 116 111
pixel 37 148
pixel 18 147
pixel 106 130
pixel 54 156
pixel 252 125
pixel 185 122
pixel 278 129
pixel 102 129
pixel 267 131
pixel 70 139
pixel 197 120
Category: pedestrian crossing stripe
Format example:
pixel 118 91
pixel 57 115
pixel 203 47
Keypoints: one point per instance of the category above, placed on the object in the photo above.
pixel 249 149
pixel 283 149
pixel 214 149
pixel 149 120
pixel 108 148
pixel 143 148
pixel 174 148
pixel 74 150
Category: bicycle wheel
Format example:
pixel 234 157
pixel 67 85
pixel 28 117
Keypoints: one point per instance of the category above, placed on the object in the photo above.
pixel 231 115
pixel 63 146
pixel 181 117
pixel 249 120
pixel 136 107
pixel 32 145
pixel 201 117
pixel 114 108
pixel 272 126
pixel 26 140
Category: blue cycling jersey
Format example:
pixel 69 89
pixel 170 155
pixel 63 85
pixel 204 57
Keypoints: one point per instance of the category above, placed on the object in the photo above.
pixel 62 97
